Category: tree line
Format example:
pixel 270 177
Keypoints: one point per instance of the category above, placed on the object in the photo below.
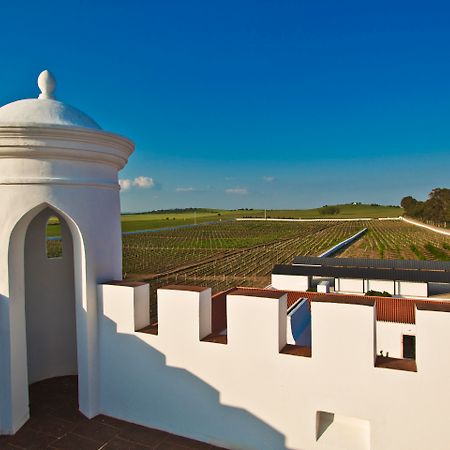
pixel 434 210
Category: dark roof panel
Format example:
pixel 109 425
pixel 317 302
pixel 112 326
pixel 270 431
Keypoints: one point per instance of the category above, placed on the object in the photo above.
pixel 364 273
pixel 373 263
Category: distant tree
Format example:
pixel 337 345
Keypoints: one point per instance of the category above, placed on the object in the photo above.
pixel 408 202
pixel 436 209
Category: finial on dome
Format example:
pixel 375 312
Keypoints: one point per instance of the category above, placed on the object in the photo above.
pixel 47 84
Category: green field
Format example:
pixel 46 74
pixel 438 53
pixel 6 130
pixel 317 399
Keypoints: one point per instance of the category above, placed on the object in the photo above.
pixel 162 219
pixel 346 211
pixel 153 220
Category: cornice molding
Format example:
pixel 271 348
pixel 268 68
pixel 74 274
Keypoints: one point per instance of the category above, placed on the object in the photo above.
pixel 69 143
pixel 58 182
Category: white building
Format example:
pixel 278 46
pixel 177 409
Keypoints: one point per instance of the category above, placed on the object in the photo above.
pixel 220 371
pixel 398 278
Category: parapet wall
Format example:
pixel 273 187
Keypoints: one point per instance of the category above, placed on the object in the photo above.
pixel 256 392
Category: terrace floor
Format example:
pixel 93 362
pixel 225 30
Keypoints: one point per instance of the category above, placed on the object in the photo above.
pixel 56 423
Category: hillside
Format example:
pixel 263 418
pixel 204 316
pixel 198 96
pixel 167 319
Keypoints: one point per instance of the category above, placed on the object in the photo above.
pixel 171 218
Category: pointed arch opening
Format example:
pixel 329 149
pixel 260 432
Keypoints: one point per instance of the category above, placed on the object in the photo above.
pixel 49 298
pixel 49 330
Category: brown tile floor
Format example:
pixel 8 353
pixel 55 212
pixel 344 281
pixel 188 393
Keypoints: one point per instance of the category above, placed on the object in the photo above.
pixel 56 423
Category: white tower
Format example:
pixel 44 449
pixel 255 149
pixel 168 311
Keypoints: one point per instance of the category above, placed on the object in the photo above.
pixel 54 161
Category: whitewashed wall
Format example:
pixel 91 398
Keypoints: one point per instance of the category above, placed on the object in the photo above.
pixel 411 289
pixel 290 282
pixel 248 395
pixel 380 286
pixel 351 285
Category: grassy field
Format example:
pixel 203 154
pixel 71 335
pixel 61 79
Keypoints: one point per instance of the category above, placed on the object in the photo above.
pixel 161 219
pixel 153 220
pixel 346 211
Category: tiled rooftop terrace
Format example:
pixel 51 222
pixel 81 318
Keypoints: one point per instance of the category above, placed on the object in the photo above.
pixel 56 423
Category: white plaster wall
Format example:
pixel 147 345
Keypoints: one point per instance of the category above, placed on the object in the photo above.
pixel 353 285
pixel 390 337
pixel 410 289
pixel 246 395
pixel 381 286
pixel 290 282
pixel 49 304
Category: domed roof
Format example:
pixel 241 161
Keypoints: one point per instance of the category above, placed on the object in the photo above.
pixel 45 110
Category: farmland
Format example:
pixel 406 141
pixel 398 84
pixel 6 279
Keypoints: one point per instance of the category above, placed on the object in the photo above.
pixel 223 255
pixel 163 219
pixel 155 253
pixel 399 240
pixel 174 218
pixel 230 253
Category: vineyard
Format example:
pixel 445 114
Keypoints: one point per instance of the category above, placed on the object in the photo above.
pixel 399 240
pixel 228 254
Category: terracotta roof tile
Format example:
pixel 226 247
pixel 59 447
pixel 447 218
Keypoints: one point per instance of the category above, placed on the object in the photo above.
pixel 126 283
pixel 434 306
pixel 363 301
pixel 265 293
pixel 180 287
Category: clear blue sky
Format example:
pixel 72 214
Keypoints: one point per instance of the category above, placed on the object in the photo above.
pixel 277 104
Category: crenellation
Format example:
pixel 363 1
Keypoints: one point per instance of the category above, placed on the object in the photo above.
pixel 339 376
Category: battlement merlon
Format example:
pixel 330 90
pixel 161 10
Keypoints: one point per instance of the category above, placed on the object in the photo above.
pixel 256 318
pixel 184 313
pixel 126 303
pixel 344 332
pixel 432 339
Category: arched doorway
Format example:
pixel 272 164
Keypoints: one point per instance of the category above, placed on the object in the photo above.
pixel 49 298
pixel 32 278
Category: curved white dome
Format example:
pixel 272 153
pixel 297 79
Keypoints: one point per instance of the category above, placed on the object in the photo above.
pixel 45 110
pixel 41 111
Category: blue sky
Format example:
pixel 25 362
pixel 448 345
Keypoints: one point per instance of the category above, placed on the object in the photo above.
pixel 276 104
